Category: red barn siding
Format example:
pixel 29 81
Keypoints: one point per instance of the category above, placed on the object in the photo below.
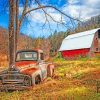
pixel 74 53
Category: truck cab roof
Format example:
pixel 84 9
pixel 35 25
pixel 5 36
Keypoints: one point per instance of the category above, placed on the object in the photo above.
pixel 26 50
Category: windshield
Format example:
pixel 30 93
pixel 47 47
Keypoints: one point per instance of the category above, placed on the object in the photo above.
pixel 26 56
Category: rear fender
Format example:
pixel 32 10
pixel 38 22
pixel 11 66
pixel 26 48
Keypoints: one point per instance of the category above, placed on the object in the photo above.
pixel 50 69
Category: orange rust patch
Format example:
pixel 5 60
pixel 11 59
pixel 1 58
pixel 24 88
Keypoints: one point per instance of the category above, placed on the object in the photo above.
pixel 29 71
pixel 23 63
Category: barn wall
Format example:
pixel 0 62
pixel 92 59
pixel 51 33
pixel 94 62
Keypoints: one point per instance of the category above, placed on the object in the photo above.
pixel 99 39
pixel 95 48
pixel 75 53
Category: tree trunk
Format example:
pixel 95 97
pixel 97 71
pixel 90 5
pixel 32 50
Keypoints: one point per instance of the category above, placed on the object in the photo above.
pixel 17 25
pixel 11 33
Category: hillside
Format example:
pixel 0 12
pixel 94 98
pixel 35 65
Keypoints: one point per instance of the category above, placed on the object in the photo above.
pixel 4 41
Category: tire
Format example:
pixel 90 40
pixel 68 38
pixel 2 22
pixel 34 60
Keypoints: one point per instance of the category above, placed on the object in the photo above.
pixel 27 81
pixel 37 79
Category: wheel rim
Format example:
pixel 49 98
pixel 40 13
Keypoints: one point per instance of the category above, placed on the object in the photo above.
pixel 27 81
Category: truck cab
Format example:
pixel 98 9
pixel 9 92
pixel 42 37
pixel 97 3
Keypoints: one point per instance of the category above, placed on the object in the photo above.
pixel 29 69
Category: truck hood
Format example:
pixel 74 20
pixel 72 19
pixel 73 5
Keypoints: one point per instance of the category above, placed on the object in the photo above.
pixel 25 63
pixel 27 67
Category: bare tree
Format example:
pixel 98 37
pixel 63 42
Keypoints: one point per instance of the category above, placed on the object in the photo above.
pixel 15 22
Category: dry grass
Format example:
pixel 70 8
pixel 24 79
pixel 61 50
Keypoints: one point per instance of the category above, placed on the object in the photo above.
pixel 3 61
pixel 69 83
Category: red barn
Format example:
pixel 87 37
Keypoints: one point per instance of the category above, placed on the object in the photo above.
pixel 81 44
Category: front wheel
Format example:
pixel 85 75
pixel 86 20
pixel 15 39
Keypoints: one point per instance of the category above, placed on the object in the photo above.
pixel 27 81
pixel 37 79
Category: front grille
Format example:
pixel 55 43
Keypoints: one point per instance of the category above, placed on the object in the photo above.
pixel 9 77
pixel 12 79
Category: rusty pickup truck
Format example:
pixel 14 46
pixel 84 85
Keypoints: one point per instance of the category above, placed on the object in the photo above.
pixel 29 69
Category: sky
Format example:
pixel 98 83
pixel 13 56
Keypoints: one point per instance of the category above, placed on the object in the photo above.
pixel 34 24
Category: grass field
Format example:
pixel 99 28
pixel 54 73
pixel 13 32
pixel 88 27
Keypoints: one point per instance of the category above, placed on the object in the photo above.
pixel 73 80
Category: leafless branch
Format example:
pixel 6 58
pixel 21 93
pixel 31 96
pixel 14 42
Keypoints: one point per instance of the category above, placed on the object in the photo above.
pixel 41 7
pixel 23 13
pixel 46 14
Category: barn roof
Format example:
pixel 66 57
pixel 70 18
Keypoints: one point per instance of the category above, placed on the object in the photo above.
pixel 78 41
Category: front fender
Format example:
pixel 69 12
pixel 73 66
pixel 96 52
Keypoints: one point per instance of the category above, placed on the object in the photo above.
pixel 38 72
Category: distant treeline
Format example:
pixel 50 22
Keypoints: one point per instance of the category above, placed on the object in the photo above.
pixel 51 44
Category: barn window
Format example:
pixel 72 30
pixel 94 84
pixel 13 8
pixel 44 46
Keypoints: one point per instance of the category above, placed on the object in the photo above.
pixel 98 33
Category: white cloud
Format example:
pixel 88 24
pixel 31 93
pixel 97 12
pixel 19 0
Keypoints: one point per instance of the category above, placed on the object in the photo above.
pixel 37 19
pixel 92 3
pixel 39 16
pixel 20 10
pixel 86 10
pixel 73 1
pixel 72 10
